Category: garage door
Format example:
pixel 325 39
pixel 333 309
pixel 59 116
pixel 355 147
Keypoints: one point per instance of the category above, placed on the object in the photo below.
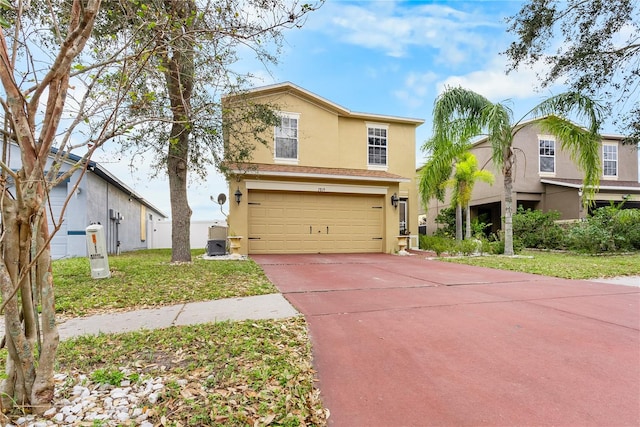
pixel 285 222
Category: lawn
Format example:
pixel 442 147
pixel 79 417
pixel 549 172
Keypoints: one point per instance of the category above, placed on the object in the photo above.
pixel 560 264
pixel 143 279
pixel 227 373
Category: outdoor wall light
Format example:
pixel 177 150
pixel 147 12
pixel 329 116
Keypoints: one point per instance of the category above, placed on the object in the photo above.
pixel 394 200
pixel 238 195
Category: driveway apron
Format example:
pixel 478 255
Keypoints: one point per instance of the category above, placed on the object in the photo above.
pixel 406 341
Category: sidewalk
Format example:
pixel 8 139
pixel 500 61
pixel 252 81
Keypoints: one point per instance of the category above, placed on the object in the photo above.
pixel 271 306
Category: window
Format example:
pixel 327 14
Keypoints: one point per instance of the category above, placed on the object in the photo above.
pixel 403 216
pixel 286 145
pixel 610 160
pixel 377 145
pixel 547 155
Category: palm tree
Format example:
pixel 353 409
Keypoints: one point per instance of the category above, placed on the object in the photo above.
pixel 463 181
pixel 437 171
pixel 460 114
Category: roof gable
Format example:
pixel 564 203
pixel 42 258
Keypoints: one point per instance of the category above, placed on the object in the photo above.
pixel 299 92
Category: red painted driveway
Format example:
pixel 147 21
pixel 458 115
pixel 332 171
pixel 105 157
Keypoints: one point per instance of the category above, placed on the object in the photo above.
pixel 404 341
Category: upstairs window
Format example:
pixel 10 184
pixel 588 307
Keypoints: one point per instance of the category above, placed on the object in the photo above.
pixel 610 160
pixel 547 155
pixel 377 145
pixel 286 144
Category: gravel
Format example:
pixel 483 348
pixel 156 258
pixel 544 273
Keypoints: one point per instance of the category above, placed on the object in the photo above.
pixel 78 401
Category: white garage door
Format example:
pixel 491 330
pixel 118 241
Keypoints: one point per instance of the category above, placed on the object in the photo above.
pixel 298 222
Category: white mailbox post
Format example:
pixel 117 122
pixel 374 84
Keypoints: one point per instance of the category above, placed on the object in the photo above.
pixel 97 250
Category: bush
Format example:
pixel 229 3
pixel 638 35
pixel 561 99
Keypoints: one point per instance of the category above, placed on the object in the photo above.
pixel 437 244
pixel 468 247
pixel 537 229
pixel 608 229
pixel 447 218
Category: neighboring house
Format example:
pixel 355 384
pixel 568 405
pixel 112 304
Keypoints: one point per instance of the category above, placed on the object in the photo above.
pixel 547 179
pixel 128 219
pixel 331 181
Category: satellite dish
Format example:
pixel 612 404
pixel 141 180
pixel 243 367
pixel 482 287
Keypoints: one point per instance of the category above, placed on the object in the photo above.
pixel 222 198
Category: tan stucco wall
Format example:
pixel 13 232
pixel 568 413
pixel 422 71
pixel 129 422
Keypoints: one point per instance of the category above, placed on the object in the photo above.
pixel 327 137
pixel 527 185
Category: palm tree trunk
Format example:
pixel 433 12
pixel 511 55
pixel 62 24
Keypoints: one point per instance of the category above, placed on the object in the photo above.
pixel 508 207
pixel 467 234
pixel 458 222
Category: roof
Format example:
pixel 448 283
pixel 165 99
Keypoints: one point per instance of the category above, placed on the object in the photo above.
pixel 536 119
pixel 288 87
pixel 604 184
pixel 103 173
pixel 294 171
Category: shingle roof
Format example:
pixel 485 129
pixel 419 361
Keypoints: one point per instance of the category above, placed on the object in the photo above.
pixel 315 172
pixel 604 184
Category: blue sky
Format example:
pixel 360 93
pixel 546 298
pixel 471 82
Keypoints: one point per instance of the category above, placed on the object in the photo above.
pixel 386 57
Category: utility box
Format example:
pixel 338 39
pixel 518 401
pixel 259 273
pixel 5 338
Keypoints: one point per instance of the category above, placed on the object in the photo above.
pixel 216 247
pixel 217 243
pixel 97 251
pixel 217 232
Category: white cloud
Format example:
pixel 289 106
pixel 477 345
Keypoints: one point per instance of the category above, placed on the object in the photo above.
pixel 417 87
pixel 493 82
pixel 395 28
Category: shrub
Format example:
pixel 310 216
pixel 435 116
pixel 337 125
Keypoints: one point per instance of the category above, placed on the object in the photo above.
pixel 537 229
pixel 609 228
pixel 447 218
pixel 468 247
pixel 437 244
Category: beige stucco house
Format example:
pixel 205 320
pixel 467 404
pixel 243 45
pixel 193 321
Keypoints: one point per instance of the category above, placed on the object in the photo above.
pixel 330 180
pixel 547 179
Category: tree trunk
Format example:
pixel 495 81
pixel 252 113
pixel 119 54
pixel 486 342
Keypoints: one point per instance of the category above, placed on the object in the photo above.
pixel 180 79
pixel 180 210
pixel 458 222
pixel 508 204
pixel 468 222
pixel 26 280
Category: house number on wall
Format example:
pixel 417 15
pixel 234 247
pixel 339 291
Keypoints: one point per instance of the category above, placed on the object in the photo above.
pixel 321 189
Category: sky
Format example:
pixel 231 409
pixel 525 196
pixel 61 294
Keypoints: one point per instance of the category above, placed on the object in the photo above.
pixel 382 57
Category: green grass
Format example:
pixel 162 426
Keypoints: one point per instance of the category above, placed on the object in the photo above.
pixel 224 374
pixel 238 373
pixel 148 279
pixel 565 265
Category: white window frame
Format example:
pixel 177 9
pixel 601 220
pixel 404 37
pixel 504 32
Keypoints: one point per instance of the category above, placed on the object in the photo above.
pixel 403 208
pixel 377 166
pixel 605 160
pixel 547 138
pixel 278 133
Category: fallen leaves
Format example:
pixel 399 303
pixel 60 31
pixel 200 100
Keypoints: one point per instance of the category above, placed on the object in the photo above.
pixel 254 373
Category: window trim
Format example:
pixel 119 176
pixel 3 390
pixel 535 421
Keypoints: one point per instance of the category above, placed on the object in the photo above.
pixel 374 166
pixel 287 160
pixel 617 160
pixel 549 138
pixel 405 202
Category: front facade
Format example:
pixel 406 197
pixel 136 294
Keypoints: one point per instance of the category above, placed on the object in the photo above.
pixel 100 198
pixel 330 181
pixel 546 179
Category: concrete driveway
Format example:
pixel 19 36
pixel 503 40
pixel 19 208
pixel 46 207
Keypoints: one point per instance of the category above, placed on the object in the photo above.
pixel 404 341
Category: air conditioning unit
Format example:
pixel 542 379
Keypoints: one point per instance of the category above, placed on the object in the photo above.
pixel 216 247
pixel 217 232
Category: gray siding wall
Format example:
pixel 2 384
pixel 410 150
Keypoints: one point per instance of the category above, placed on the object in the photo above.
pixel 106 203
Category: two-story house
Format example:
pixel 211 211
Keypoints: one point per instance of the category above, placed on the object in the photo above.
pixel 547 179
pixel 330 180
